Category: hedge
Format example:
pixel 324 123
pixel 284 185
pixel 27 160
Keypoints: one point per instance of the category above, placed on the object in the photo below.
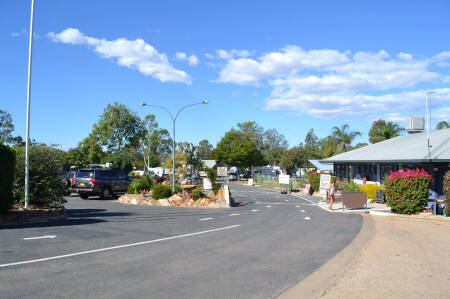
pixel 407 191
pixel 144 183
pixel 7 162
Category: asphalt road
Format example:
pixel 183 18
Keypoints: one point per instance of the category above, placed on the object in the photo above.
pixel 105 249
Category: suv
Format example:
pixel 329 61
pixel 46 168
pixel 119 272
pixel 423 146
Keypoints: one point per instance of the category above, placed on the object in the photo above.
pixel 103 182
pixel 66 179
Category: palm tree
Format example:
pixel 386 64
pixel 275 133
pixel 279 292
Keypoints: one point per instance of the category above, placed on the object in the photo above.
pixel 442 125
pixel 344 137
pixel 328 147
pixel 382 130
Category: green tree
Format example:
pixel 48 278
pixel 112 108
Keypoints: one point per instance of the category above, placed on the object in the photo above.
pixel 344 137
pixel 121 159
pixel 382 130
pixel 442 125
pixel 204 149
pixel 45 185
pixel 118 127
pixel 88 152
pixel 274 146
pixel 6 127
pixel 156 143
pixel 253 131
pixel 7 169
pixel 312 145
pixel 238 149
pixel 329 146
pixel 293 158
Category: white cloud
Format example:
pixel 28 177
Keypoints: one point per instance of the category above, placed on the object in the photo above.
pixel 135 54
pixel 192 60
pixel 24 33
pixel 328 83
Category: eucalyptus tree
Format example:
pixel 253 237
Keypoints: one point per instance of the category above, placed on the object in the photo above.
pixel 382 130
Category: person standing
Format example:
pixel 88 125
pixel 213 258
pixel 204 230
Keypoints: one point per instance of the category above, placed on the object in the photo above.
pixel 331 191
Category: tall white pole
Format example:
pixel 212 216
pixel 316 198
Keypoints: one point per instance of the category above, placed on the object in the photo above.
pixel 27 134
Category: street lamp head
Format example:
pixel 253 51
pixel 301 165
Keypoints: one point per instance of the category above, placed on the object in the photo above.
pixel 143 104
pixel 205 102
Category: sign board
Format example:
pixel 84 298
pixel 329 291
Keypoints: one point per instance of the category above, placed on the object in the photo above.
pixel 379 196
pixel 250 182
pixel 325 180
pixel 283 179
pixel 307 189
pixel 222 171
pixel 354 200
pixel 207 184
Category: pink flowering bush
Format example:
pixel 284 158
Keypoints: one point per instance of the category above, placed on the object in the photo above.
pixel 407 191
pixel 447 193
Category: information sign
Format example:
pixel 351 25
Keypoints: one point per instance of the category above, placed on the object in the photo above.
pixel 325 180
pixel 307 189
pixel 283 179
pixel 222 171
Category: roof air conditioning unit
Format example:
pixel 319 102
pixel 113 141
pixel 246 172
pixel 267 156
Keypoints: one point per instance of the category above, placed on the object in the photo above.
pixel 415 124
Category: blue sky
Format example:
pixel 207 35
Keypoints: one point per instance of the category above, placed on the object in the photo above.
pixel 289 65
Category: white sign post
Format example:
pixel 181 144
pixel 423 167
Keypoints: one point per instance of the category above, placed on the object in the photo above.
pixel 207 184
pixel 283 179
pixel 250 182
pixel 325 181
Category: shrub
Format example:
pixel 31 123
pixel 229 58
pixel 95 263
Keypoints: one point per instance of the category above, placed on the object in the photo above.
pixel 45 185
pixel 350 187
pixel 161 191
pixel 370 190
pixel 144 183
pixel 7 162
pixel 197 194
pixel 407 191
pixel 447 192
pixel 178 189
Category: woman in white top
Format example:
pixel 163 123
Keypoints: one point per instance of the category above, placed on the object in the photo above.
pixel 331 191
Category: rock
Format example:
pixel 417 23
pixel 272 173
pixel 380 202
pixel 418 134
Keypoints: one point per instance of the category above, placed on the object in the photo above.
pixel 211 195
pixel 190 202
pixel 202 202
pixel 220 194
pixel 163 202
pixel 154 202
pixel 176 200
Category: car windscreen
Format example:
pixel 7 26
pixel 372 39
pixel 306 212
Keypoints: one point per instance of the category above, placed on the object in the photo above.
pixel 85 174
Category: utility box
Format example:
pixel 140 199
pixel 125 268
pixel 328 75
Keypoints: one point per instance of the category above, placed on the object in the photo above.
pixel 414 124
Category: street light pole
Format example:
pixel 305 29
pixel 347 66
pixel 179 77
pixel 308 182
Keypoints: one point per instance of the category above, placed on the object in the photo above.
pixel 173 132
pixel 27 133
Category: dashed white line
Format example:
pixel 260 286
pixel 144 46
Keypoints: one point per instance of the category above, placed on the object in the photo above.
pixel 268 206
pixel 307 218
pixel 116 247
pixel 255 210
pixel 235 214
pixel 303 211
pixel 41 237
pixel 297 206
pixel 204 219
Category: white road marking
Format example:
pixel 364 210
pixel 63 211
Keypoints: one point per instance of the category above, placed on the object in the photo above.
pixel 303 211
pixel 204 219
pixel 315 204
pixel 307 218
pixel 287 200
pixel 268 206
pixel 255 210
pixel 235 214
pixel 41 237
pixel 297 206
pixel 115 247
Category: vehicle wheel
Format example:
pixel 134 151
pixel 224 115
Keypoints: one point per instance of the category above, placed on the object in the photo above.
pixel 68 192
pixel 106 193
pixel 83 196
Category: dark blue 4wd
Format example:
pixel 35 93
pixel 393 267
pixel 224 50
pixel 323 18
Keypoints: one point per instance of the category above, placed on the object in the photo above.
pixel 103 182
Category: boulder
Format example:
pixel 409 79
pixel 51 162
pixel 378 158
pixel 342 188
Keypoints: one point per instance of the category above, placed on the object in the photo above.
pixel 211 195
pixel 220 194
pixel 202 202
pixel 154 202
pixel 190 202
pixel 176 200
pixel 163 202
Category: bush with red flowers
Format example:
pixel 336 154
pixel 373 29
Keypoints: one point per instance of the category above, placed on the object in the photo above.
pixel 407 191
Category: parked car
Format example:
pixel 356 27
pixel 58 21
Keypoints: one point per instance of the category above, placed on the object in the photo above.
pixel 66 179
pixel 103 182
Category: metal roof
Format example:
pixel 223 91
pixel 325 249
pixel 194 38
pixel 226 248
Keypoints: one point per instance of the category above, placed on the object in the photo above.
pixel 409 148
pixel 319 165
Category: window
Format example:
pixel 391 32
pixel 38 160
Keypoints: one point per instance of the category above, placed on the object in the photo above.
pixel 85 174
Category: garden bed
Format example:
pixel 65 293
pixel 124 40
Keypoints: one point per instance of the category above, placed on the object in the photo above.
pixel 32 215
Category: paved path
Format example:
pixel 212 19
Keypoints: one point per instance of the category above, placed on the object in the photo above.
pixel 109 250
